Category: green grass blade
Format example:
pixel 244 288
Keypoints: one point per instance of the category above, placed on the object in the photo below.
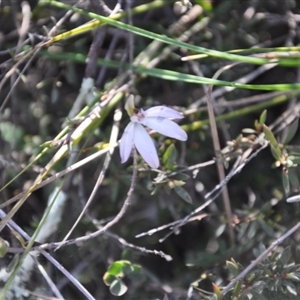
pixel 170 41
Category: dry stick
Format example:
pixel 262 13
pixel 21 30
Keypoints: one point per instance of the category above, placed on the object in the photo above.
pixel 78 285
pixel 55 29
pixel 14 99
pixel 47 278
pixel 100 6
pixel 260 258
pixel 91 67
pixel 108 56
pixel 22 31
pixel 24 28
pixel 126 244
pixel 6 163
pixel 114 221
pixel 220 167
pixel 242 101
pixel 10 73
pixel 113 42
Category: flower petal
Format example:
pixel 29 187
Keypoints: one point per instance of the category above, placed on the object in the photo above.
pixel 145 146
pixel 166 127
pixel 126 142
pixel 163 112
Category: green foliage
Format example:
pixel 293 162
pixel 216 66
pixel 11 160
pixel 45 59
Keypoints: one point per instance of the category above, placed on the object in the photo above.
pixel 205 4
pixel 169 157
pixel 292 131
pixel 276 277
pixel 118 271
pixel 276 152
pixel 183 194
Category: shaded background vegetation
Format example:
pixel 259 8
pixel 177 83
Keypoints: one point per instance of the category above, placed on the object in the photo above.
pixel 36 111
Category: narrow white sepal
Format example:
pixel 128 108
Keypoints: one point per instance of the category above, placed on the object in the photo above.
pixel 127 142
pixel 163 112
pixel 166 127
pixel 145 146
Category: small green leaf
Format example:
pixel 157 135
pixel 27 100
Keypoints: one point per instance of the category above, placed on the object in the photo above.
pixel 217 291
pixel 183 194
pixel 118 287
pixel 128 269
pixel 137 274
pixel 257 126
pixel 291 288
pixel 275 155
pixel 169 157
pixel 285 256
pixel 259 250
pixel 155 190
pixel 205 4
pixel 292 276
pixel 263 117
pixel 137 268
pixel 257 296
pixel 232 267
pixel 181 176
pixel 266 227
pixel 237 289
pixel 273 143
pixel 296 160
pixel 108 278
pixel 292 131
pixel 285 181
pixel 117 267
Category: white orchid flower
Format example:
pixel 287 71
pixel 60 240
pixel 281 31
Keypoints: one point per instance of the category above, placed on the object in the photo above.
pixel 156 118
